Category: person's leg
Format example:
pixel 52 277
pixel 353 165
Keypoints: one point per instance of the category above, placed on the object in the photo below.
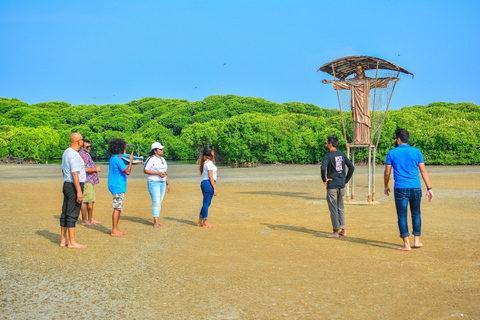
pixel 90 207
pixel 84 210
pixel 415 201
pixel 63 217
pixel 154 190
pixel 117 211
pixel 333 207
pixel 87 199
pixel 90 213
pixel 72 213
pixel 401 205
pixel 207 190
pixel 341 212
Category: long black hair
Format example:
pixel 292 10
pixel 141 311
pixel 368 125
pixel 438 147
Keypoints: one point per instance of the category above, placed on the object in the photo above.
pixel 206 155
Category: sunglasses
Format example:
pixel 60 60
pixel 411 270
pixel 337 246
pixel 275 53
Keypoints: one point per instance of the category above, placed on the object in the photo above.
pixel 89 147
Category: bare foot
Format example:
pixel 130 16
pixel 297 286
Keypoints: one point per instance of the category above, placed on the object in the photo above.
pixel 117 233
pixel 343 233
pixel 76 245
pixel 208 225
pixel 404 248
pixel 332 235
pixel 95 221
pixel 87 223
pixel 64 244
pixel 418 245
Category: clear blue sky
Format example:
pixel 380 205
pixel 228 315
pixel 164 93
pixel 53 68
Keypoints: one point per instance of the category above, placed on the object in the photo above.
pixel 102 52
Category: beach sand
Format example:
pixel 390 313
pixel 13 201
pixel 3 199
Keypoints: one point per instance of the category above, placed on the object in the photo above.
pixel 267 257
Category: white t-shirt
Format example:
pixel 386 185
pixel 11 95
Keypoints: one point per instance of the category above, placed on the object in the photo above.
pixel 208 165
pixel 156 164
pixel 73 162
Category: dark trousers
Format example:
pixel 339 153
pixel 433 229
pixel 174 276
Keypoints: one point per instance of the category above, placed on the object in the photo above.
pixel 70 208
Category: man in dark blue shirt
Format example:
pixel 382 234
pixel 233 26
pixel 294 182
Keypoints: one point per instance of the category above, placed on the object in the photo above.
pixel 333 176
pixel 406 161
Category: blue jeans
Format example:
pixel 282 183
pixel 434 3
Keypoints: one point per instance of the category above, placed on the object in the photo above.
pixel 404 196
pixel 157 192
pixel 207 190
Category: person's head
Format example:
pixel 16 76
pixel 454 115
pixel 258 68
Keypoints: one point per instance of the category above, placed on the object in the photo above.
pixel 156 149
pixel 360 71
pixel 403 135
pixel 207 154
pixel 76 141
pixel 331 142
pixel 87 145
pixel 117 145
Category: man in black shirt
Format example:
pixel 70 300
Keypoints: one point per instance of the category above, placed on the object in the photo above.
pixel 333 176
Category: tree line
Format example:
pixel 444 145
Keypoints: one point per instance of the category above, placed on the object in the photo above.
pixel 242 129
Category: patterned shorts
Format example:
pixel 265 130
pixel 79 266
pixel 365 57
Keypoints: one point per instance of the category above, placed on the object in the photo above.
pixel 118 201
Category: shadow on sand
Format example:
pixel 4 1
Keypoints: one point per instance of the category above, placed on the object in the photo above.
pixel 97 227
pixel 282 194
pixel 189 222
pixel 137 220
pixel 52 237
pixel 315 233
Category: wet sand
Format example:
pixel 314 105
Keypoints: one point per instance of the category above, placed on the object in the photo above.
pixel 267 257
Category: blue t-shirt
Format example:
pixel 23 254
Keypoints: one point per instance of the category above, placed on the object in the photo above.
pixel 405 160
pixel 117 178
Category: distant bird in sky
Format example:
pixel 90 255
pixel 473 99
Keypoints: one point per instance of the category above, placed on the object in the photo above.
pixel 196 87
pixel 225 64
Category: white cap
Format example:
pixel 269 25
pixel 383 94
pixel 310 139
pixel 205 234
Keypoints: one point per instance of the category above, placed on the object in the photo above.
pixel 157 145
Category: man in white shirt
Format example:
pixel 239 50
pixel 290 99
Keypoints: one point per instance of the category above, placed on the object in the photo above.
pixel 74 178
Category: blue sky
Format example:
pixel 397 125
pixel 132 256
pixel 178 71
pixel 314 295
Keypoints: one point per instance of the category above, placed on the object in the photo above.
pixel 103 52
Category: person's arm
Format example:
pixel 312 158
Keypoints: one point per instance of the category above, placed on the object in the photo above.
pixel 129 168
pixel 155 173
pixel 92 170
pixel 212 181
pixel 168 183
pixel 76 183
pixel 426 179
pixel 386 179
pixel 351 169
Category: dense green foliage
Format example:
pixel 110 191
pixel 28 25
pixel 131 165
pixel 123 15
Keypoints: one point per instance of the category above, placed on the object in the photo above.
pixel 241 129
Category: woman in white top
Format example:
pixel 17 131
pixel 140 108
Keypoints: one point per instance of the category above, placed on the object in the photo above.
pixel 209 189
pixel 156 168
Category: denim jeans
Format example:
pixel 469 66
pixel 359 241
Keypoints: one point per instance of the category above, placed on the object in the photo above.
pixel 404 196
pixel 207 190
pixel 157 192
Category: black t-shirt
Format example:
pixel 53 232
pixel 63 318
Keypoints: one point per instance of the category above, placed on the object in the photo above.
pixel 333 167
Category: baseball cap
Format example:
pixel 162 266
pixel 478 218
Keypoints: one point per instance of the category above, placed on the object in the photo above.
pixel 157 145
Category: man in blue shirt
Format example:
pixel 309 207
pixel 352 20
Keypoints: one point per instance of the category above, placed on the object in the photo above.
pixel 406 162
pixel 117 180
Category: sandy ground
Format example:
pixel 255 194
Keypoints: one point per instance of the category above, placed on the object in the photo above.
pixel 267 258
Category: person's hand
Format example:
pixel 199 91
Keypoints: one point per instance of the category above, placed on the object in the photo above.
pixel 326 182
pixel 98 169
pixel 429 195
pixel 324 81
pixel 395 79
pixel 168 188
pixel 79 197
pixel 215 191
pixel 387 191
pixel 131 156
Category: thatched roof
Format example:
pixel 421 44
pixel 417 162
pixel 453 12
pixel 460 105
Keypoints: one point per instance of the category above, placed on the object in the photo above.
pixel 346 66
